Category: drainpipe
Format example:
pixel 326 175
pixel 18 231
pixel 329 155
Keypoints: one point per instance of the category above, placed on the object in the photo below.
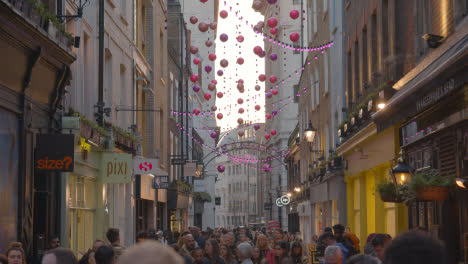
pixel 302 31
pixel 100 104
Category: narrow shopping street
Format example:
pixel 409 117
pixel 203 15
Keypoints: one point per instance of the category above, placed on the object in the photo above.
pixel 233 131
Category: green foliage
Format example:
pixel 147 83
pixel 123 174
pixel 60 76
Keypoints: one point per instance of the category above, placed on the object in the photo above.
pixel 386 187
pixel 92 124
pixel 125 134
pixel 42 10
pixel 184 185
pixel 202 196
pixel 426 178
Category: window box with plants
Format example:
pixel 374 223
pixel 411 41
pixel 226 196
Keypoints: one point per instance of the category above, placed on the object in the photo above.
pixel 428 185
pixel 388 193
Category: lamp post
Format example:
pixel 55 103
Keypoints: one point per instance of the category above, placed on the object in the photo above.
pixel 401 173
pixel 310 132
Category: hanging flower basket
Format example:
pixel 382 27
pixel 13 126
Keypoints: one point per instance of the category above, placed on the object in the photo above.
pixel 432 193
pixel 390 198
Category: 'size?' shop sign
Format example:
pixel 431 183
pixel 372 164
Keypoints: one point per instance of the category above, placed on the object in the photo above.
pixel 55 152
pixel 116 167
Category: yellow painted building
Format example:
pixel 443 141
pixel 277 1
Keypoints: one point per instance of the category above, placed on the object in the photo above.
pixel 368 158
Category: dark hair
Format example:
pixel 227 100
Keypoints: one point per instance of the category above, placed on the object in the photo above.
pixel 328 235
pixel 52 237
pixel 362 259
pixel 339 228
pixel 63 255
pixel 296 245
pixel 112 234
pixel 415 247
pixel 195 250
pixel 283 245
pixel 104 255
pixel 328 229
pixel 3 259
pixel 215 255
pixel 16 246
pixel 380 239
pixel 229 256
pixel 85 258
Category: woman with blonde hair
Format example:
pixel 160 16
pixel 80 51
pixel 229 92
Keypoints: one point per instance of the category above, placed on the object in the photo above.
pixel 15 254
pixel 265 249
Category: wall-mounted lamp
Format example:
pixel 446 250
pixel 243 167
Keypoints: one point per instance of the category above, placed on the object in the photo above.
pixel 310 132
pixel 462 183
pixel 402 173
pixel 297 189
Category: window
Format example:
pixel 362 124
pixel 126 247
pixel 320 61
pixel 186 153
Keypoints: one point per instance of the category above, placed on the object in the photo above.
pixel 309 22
pixel 374 48
pixel 315 15
pixel 356 73
pixel 325 68
pixel 385 33
pixel 349 82
pixel 312 91
pixel 161 55
pixel 123 96
pixel 317 87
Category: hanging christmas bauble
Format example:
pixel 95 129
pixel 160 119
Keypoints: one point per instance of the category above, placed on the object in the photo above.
pixel 294 37
pixel 203 1
pixel 267 136
pixel 274 91
pixel 240 120
pixel 223 14
pixel 223 37
pixel 221 168
pixel 262 54
pixel 213 135
pixel 203 27
pixel 241 133
pixel 268 116
pixel 257 5
pixel 207 96
pixel 241 90
pixel 268 95
pixel 208 68
pixel 257 107
pixel 224 63
pixel 240 86
pixel 215 82
pixel 196 88
pixel 273 79
pixel 274 112
pixel 196 111
pixel 208 43
pixel 256 126
pixel 273 56
pixel 211 87
pixel 273 31
pixel 196 61
pixel 271 2
pixel 220 73
pixel 213 25
pixel 273 132
pixel 257 50
pixel 241 110
pixel 212 57
pixel 193 50
pixel 240 81
pixel 194 77
pixel 219 116
pixel 262 77
pixel 240 61
pixel 240 101
pixel 294 14
pixel 214 108
pixel 240 38
pixel 219 95
pixel 257 87
pixel 193 19
pixel 272 22
pixel 266 167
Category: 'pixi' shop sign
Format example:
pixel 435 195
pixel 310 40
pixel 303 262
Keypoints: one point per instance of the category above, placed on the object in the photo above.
pixel 116 168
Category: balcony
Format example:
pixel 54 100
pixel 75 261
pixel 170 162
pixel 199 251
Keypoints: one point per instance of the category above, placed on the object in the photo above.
pixel 36 14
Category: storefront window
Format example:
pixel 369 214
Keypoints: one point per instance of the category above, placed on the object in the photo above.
pixel 9 151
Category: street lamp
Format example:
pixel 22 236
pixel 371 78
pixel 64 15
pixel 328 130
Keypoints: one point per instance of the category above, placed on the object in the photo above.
pixel 310 132
pixel 462 183
pixel 401 173
pixel 289 194
pixel 297 189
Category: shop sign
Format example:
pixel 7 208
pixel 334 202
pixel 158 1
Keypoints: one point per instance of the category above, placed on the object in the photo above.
pixel 190 169
pixel 161 182
pixel 146 187
pixel 435 95
pixel 313 253
pixel 145 166
pixel 116 167
pixel 55 152
pixel 273 225
pixel 178 161
pixel 283 200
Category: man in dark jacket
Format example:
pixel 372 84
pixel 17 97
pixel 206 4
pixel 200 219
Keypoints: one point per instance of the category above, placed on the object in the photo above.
pixel 340 238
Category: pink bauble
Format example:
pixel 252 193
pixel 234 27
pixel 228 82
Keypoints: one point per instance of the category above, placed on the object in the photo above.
pixel 256 126
pixel 274 112
pixel 212 57
pixel 213 25
pixel 220 73
pixel 219 116
pixel 196 88
pixel 193 50
pixel 203 1
pixel 196 111
pixel 240 38
pixel 208 43
pixel 272 22
pixel 273 31
pixel 224 63
pixel 268 95
pixel 207 96
pixel 240 86
pixel 257 5
pixel 240 61
pixel 219 95
pixel 223 37
pixel 241 90
pixel 294 14
pixel 214 82
pixel 240 81
pixel 268 116
pixel 262 54
pixel 193 19
pixel 274 92
pixel 241 110
pixel 240 101
pixel 273 56
pixel 194 77
pixel 213 135
pixel 294 37
pixel 273 132
pixel 196 61
pixel 223 14
pixel 257 50
pixel 262 77
pixel 273 79
pixel 267 167
pixel 267 136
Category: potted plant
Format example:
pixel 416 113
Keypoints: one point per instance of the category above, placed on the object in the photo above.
pixel 388 193
pixel 429 185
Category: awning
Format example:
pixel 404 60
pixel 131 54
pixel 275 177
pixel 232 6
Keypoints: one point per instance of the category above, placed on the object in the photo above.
pixel 437 67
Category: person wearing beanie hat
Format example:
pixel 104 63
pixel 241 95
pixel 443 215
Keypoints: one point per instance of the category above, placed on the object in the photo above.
pixel 161 238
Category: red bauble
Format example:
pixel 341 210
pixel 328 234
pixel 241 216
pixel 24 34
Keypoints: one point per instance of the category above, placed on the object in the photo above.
pixel 221 168
pixel 241 110
pixel 294 14
pixel 208 43
pixel 273 79
pixel 196 61
pixel 240 121
pixel 241 90
pixel 257 107
pixel 272 22
pixel 240 101
pixel 224 63
pixel 257 50
pixel 193 19
pixel 257 87
pixel 196 111
pixel 240 86
pixel 240 61
pixel 223 14
pixel 194 77
pixel 213 25
pixel 193 50
pixel 294 37
pixel 262 77
pixel 207 96
pixel 273 132
pixel 267 136
pixel 273 31
pixel 268 116
pixel 212 57
pixel 219 95
pixel 212 87
pixel 219 116
pixel 214 82
pixel 203 27
pixel 240 81
pixel 214 108
pixel 257 5
pixel 203 1
pixel 274 92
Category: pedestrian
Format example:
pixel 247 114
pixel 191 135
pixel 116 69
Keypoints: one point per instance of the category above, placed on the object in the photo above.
pixel 265 249
pixel 278 235
pixel 3 259
pixel 15 253
pixel 368 248
pixel 339 230
pixel 327 230
pixel 415 247
pixel 226 254
pixel 188 245
pixel 150 252
pixel 330 240
pixel 113 235
pixel 161 238
pixel 297 254
pixel 314 239
pixel 354 239
pixel 198 256
pixel 363 259
pixel 212 252
pixel 282 252
pixel 54 242
pixel 105 255
pixel 59 256
pixel 333 255
pixel 380 243
pixel 88 258
pixel 244 253
pixel 98 243
pixel 256 256
pixel 195 231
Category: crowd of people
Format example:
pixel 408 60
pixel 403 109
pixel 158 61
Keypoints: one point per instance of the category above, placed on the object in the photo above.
pixel 337 245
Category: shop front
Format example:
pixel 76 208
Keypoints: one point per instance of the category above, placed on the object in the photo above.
pixel 145 205
pixel 179 201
